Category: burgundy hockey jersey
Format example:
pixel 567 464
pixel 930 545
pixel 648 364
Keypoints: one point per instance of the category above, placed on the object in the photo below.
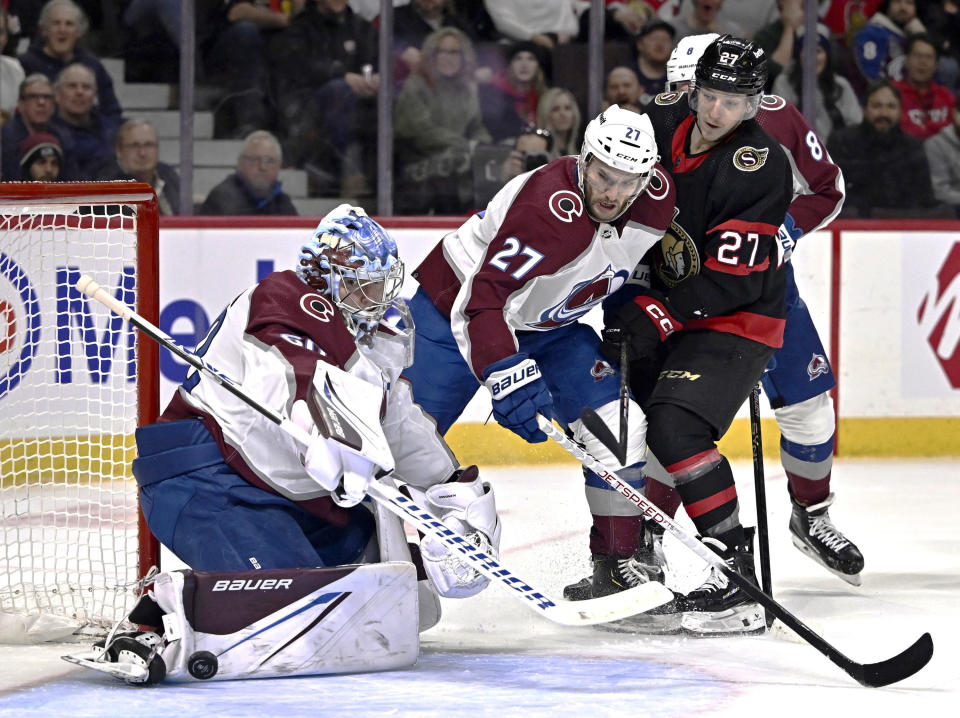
pixel 535 260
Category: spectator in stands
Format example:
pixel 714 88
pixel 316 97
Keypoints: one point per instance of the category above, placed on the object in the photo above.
pixel 545 22
pixel 11 74
pixel 559 113
pixel 509 101
pixel 654 45
pixel 41 157
pixel 437 124
pixel 943 154
pixel 927 105
pixel 942 20
pixel 326 86
pixel 836 102
pixel 530 151
pixel 137 149
pixel 79 120
pixel 231 38
pixel 414 22
pixel 34 113
pixel 749 15
pixel 622 20
pixel 254 187
pixel 883 167
pixel 879 47
pixel 623 88
pixel 778 37
pixel 62 23
pixel 699 16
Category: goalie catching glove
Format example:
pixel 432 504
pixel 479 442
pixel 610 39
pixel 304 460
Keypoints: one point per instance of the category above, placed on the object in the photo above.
pixel 642 324
pixel 466 505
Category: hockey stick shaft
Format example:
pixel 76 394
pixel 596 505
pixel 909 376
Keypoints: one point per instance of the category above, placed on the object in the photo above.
pixel 578 613
pixel 883 673
pixel 763 539
pixel 624 402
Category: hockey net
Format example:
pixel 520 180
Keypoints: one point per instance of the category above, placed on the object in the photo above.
pixel 75 382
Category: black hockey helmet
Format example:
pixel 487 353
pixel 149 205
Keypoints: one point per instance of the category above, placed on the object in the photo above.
pixel 730 64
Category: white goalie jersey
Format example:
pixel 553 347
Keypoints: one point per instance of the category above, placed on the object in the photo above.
pixel 270 338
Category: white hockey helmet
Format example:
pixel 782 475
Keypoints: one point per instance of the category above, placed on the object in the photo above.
pixel 683 60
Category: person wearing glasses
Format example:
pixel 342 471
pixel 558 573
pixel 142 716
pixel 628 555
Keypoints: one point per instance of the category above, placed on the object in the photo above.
pixel 138 150
pixel 254 188
pixel 35 108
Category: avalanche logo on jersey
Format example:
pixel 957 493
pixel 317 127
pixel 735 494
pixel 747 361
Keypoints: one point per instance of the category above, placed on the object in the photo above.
pixel 317 306
pixel 818 365
pixel 565 205
pixel 750 159
pixel 678 258
pixel 582 298
pixel 601 369
pixel 772 102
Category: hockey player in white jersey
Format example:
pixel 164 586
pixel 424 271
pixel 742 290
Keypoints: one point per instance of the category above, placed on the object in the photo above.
pixel 500 299
pixel 261 523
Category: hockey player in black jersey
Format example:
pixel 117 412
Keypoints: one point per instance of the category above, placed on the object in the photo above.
pixel 705 315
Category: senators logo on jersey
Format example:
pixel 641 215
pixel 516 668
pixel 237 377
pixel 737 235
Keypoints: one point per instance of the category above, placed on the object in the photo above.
pixel 750 159
pixel 678 257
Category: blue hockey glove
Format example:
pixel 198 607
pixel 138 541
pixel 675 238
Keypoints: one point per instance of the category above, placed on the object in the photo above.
pixel 788 234
pixel 642 324
pixel 519 394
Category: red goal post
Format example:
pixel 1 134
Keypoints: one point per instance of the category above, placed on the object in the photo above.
pixel 75 382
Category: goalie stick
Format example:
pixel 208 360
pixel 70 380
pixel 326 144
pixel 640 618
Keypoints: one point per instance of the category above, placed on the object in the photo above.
pixel 568 613
pixel 883 673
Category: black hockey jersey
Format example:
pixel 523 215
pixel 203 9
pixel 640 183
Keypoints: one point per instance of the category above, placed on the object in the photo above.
pixel 719 262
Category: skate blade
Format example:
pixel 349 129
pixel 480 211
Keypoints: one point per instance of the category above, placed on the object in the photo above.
pixel 852 578
pixel 650 624
pixel 129 672
pixel 739 620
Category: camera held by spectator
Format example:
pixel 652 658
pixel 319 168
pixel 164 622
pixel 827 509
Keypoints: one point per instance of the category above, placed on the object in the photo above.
pixel 531 149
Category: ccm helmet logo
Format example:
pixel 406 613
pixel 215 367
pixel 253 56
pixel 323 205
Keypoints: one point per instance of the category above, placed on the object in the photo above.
pixel 628 157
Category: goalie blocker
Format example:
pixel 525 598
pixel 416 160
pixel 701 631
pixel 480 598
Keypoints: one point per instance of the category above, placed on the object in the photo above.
pixel 264 624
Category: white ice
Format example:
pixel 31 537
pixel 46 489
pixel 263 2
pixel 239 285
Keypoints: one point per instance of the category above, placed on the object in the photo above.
pixel 492 655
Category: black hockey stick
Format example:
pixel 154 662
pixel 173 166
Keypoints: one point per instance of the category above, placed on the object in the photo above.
pixel 624 403
pixel 882 673
pixel 760 490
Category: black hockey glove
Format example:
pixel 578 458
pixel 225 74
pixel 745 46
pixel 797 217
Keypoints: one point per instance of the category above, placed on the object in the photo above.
pixel 642 323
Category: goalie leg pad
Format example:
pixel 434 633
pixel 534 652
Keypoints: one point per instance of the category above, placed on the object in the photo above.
pixel 265 624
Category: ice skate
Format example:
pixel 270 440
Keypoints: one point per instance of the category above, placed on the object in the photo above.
pixel 815 535
pixel 616 573
pixel 719 607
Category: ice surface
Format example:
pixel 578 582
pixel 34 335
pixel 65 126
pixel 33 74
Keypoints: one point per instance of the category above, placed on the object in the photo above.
pixel 492 655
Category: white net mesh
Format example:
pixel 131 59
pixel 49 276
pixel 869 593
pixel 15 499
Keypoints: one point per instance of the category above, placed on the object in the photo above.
pixel 68 409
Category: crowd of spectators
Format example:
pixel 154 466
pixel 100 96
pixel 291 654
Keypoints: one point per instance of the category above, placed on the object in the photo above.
pixel 476 101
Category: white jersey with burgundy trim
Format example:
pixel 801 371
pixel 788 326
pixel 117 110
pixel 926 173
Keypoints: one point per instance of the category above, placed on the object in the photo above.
pixel 534 260
pixel 818 188
pixel 270 339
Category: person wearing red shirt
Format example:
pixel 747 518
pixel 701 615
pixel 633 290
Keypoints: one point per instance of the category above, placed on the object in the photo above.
pixel 927 105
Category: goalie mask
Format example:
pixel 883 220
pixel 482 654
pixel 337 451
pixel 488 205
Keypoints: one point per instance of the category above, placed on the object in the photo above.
pixel 352 260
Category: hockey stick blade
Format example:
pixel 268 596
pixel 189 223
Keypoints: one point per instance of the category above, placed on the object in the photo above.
pixel 570 613
pixel 883 673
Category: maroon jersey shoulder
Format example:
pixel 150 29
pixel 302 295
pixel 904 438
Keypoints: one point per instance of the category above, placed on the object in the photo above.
pixel 284 311
pixel 654 206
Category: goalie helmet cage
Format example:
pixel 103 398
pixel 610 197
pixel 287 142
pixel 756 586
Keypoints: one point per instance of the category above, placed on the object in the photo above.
pixel 75 382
